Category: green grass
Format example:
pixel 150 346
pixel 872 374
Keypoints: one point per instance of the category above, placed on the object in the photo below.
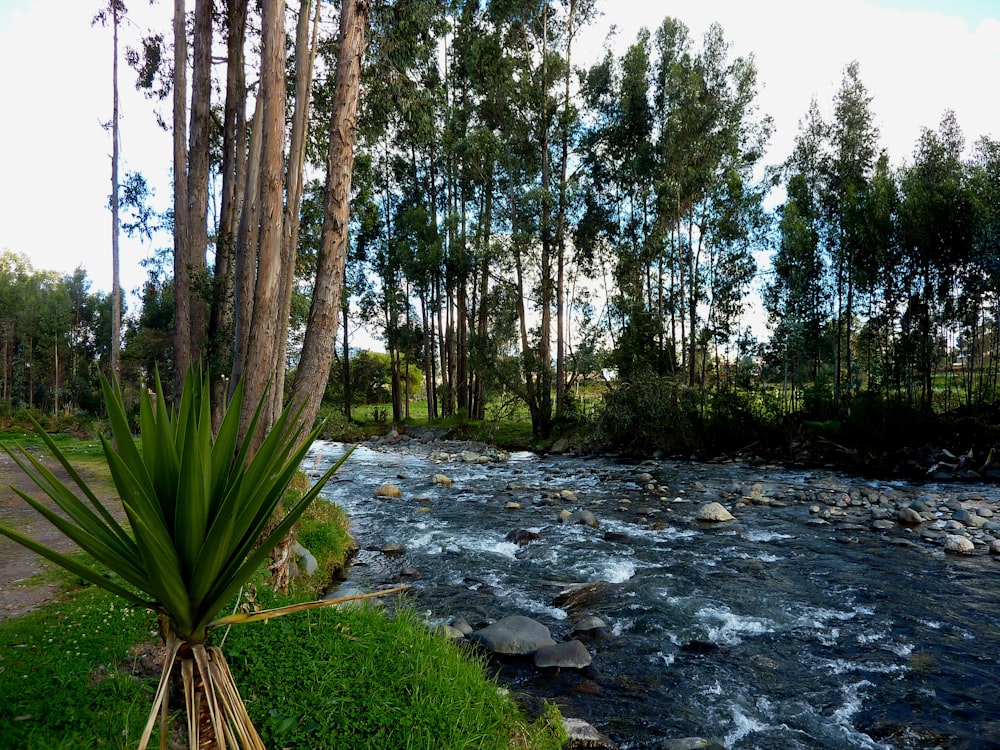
pixel 329 679
pixel 358 678
pixel 66 679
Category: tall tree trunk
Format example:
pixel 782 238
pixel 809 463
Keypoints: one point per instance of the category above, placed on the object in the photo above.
pixel 305 52
pixel 321 330
pixel 220 325
pixel 345 309
pixel 542 425
pixel 182 277
pixel 116 289
pixel 247 243
pixel 265 329
pixel 198 164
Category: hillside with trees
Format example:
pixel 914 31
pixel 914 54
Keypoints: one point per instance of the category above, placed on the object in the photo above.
pixel 521 228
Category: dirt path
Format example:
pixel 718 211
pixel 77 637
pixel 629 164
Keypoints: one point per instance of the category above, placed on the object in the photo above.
pixel 18 593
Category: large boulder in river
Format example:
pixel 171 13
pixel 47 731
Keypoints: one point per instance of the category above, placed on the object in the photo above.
pixel 958 545
pixel 568 655
pixel 515 635
pixel 443 480
pixel 388 490
pixel 714 513
pixel 580 736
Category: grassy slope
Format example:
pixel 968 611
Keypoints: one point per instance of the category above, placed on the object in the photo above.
pixel 71 677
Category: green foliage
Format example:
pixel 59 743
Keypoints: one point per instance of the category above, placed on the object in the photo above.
pixel 321 680
pixel 324 531
pixel 197 505
pixel 648 412
pixel 67 675
pixel 818 399
pixel 373 682
pixel 738 418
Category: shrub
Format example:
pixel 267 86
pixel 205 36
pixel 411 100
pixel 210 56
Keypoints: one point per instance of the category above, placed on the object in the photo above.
pixel 648 412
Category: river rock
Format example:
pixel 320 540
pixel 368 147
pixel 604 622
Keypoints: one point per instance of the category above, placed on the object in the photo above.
pixel 909 516
pixel 995 547
pixel 958 545
pixel 515 635
pixel 443 480
pixel 714 513
pixel 569 655
pixel 582 736
pixel 306 560
pixel 587 596
pixel 521 537
pixel 450 632
pixel 388 490
pixel 688 743
pixel 392 548
pixel 883 524
pixel 591 626
pixel 580 517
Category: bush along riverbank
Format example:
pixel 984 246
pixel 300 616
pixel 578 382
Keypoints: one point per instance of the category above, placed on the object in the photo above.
pixel 80 671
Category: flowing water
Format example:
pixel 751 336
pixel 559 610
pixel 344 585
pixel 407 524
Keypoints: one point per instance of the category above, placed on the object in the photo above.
pixel 768 632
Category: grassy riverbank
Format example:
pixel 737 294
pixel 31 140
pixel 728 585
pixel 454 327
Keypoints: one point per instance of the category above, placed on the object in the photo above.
pixel 80 672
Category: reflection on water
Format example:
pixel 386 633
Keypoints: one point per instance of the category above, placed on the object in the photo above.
pixel 767 632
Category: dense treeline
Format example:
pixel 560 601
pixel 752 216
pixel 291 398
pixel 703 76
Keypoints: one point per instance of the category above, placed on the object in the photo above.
pixel 521 223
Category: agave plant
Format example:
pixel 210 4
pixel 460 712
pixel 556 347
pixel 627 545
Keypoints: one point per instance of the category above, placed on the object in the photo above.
pixel 200 513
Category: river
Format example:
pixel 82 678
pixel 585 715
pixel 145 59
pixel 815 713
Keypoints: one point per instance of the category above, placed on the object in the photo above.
pixel 797 625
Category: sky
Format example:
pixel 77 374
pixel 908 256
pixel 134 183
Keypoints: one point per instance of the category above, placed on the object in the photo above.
pixel 917 58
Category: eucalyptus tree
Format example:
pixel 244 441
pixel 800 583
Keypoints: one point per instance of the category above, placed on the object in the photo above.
pixel 878 273
pixel 114 12
pixel 937 229
pixel 982 283
pixel 618 172
pixel 795 298
pixel 854 146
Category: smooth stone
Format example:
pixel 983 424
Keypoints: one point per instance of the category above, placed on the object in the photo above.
pixel 306 559
pixel 687 743
pixel 569 655
pixel 392 548
pixel 714 513
pixel 581 735
pixel 909 516
pixel 590 625
pixel 443 480
pixel 995 547
pixel 388 490
pixel 580 517
pixel 451 633
pixel 958 545
pixel 515 634
pixel 883 525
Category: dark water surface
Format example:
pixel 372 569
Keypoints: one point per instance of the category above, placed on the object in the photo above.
pixel 768 632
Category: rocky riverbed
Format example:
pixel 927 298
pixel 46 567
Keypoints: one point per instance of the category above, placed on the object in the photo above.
pixel 726 604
